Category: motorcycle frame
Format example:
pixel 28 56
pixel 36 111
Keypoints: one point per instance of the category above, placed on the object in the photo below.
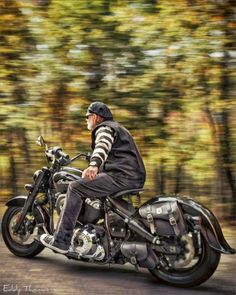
pixel 209 226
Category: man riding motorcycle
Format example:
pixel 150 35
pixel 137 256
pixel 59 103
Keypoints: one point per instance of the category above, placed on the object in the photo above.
pixel 115 165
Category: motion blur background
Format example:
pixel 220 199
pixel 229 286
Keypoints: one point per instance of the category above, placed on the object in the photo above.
pixel 165 68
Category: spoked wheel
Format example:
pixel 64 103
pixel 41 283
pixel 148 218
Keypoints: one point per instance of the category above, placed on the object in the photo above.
pixel 22 243
pixel 193 269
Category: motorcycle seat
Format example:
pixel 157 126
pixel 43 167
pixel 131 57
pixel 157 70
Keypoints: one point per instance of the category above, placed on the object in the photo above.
pixel 134 191
pixel 123 205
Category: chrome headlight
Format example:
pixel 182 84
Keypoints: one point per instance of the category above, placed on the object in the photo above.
pixel 36 174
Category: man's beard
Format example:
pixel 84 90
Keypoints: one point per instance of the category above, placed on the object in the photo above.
pixel 90 126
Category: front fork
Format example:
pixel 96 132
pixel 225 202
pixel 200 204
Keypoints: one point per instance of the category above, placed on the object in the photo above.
pixel 30 201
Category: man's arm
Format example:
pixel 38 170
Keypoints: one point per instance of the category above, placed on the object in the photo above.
pixel 104 138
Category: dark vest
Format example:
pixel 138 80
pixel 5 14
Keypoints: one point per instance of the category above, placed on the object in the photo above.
pixel 124 159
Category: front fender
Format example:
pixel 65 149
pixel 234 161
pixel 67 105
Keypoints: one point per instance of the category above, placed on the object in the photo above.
pixel 210 227
pixel 18 201
pixel 40 213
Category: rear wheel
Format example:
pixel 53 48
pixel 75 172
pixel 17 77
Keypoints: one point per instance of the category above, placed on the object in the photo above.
pixel 198 269
pixel 23 243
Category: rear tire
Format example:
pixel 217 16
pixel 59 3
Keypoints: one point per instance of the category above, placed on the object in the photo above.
pixel 194 276
pixel 23 250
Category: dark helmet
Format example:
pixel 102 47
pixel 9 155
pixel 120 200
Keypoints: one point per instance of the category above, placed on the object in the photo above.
pixel 99 108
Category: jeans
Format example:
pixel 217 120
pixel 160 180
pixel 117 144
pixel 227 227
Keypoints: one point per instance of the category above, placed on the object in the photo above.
pixel 102 186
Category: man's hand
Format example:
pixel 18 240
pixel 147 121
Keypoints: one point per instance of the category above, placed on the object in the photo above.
pixel 91 172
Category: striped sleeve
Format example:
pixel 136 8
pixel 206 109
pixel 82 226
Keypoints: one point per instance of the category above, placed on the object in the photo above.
pixel 104 138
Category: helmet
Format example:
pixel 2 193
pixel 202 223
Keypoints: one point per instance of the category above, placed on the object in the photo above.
pixel 99 108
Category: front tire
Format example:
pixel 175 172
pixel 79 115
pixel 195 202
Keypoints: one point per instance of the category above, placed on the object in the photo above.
pixel 19 245
pixel 207 263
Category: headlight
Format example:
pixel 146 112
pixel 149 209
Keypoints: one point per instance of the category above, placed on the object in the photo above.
pixel 36 174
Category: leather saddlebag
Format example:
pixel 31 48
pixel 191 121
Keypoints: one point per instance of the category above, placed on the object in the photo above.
pixel 164 218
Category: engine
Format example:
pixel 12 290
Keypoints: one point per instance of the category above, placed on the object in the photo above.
pixel 87 242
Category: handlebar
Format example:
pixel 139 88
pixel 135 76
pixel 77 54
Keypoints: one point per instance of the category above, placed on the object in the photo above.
pixel 86 155
pixel 61 157
pixel 64 159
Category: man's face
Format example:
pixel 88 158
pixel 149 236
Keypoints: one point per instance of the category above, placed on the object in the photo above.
pixel 91 121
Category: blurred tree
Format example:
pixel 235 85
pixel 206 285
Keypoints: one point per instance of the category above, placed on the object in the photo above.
pixel 167 72
pixel 226 12
pixel 15 43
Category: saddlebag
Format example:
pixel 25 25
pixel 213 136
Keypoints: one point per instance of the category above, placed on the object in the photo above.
pixel 164 218
pixel 140 254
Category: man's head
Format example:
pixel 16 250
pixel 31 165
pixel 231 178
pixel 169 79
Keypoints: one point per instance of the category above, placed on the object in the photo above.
pixel 97 112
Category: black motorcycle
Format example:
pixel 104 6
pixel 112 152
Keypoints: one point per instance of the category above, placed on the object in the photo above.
pixel 178 240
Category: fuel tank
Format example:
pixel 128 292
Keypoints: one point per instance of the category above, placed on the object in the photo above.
pixel 62 178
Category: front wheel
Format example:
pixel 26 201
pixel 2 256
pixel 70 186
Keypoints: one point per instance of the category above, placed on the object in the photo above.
pixel 199 270
pixel 21 244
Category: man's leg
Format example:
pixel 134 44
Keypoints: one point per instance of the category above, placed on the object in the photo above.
pixel 102 186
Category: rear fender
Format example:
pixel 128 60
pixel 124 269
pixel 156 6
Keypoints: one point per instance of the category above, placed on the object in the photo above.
pixel 210 227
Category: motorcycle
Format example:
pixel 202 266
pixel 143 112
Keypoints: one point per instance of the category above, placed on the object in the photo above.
pixel 177 239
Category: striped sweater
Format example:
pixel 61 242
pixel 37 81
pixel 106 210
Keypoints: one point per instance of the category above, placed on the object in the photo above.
pixel 104 138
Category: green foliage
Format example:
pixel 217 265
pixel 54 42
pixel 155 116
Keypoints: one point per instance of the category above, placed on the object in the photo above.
pixel 167 72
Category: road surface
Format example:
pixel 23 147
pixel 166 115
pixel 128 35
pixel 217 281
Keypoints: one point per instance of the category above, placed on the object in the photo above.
pixel 54 274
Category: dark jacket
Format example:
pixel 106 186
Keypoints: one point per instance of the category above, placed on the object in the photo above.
pixel 124 159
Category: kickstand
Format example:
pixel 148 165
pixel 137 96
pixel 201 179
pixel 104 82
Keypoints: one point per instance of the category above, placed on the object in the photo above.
pixel 136 267
pixel 134 262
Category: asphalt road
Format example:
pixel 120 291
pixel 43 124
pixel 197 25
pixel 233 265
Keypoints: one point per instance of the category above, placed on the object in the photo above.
pixel 54 274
